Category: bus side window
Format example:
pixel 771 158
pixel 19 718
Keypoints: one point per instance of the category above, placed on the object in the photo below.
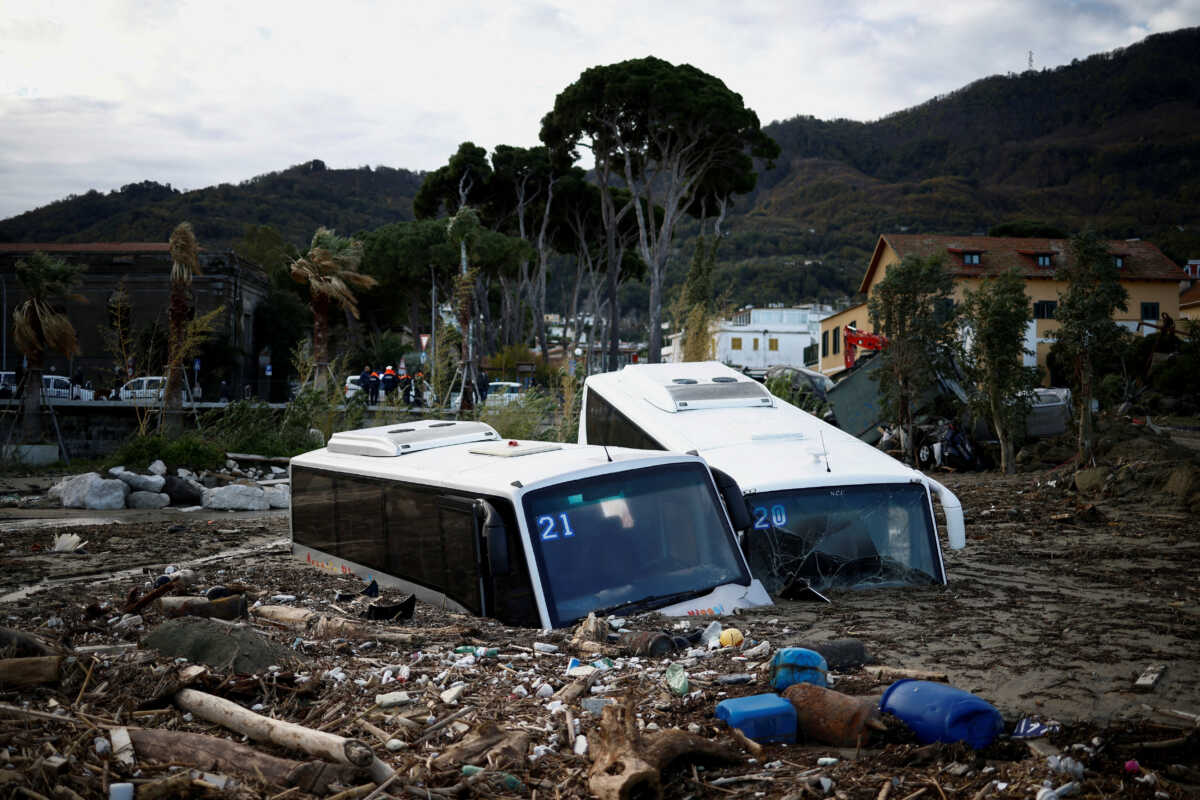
pixel 456 526
pixel 414 548
pixel 607 425
pixel 359 521
pixel 312 511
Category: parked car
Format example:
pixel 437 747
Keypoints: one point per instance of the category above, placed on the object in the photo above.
pixel 146 388
pixel 56 387
pixel 8 384
pixel 353 386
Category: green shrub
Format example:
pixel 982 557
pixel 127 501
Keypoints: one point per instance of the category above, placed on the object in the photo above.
pixel 192 449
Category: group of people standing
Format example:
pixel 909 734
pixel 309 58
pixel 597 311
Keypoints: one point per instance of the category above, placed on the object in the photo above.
pixel 411 387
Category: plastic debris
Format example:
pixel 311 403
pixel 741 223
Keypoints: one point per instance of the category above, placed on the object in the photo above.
pixel 677 679
pixel 731 637
pixel 1065 765
pixel 826 761
pixel 711 637
pixel 545 647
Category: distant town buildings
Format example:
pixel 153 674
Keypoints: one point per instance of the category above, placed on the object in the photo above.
pixel 757 338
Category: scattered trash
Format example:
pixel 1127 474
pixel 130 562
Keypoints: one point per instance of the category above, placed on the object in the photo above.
pixel 731 637
pixel 735 679
pixel 677 679
pixel 830 717
pixel 762 717
pixel 797 665
pixel 544 647
pixel 826 761
pixel 1032 728
pixel 939 713
pixel 1065 765
pixel 402 610
pixel 68 543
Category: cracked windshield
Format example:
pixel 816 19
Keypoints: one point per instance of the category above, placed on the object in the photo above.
pixel 618 539
pixel 842 537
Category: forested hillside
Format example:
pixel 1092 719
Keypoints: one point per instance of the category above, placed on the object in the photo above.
pixel 1111 142
pixel 294 202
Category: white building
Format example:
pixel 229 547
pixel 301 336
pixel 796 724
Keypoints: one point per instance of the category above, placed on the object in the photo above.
pixel 758 338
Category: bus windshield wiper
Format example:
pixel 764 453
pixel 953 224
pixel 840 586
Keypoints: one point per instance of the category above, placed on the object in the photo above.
pixel 652 602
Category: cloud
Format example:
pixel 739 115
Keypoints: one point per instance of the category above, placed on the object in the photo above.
pixel 222 91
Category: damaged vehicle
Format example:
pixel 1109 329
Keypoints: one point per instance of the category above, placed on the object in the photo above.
pixel 825 509
pixel 534 534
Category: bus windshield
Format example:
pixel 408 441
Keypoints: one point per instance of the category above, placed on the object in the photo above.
pixel 645 537
pixel 842 537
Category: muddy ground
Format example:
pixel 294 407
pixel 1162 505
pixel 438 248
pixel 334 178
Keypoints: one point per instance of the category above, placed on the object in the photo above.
pixel 1056 606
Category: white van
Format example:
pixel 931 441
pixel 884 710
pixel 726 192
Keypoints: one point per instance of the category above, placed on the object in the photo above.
pixel 536 534
pixel 826 510
pixel 149 388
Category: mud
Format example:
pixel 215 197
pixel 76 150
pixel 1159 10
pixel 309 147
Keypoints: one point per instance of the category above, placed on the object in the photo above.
pixel 1055 607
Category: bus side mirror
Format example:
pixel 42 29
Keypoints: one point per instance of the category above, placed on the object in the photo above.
pixel 735 502
pixel 494 535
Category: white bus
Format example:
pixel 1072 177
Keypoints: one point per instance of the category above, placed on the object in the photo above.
pixel 826 510
pixel 536 534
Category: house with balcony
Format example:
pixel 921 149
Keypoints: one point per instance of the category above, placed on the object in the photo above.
pixel 1151 279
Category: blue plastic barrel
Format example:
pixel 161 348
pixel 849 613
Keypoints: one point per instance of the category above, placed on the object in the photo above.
pixel 939 713
pixel 762 717
pixel 797 665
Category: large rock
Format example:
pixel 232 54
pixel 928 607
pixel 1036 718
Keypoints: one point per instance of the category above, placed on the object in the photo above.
pixel 1182 481
pixel 236 497
pixel 1091 481
pixel 142 483
pixel 279 496
pixel 92 491
pixel 157 468
pixel 147 500
pixel 183 492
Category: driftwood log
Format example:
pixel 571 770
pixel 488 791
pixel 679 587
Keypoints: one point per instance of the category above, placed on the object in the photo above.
pixel 899 673
pixel 29 671
pixel 628 764
pixel 323 745
pixel 213 754
pixel 19 644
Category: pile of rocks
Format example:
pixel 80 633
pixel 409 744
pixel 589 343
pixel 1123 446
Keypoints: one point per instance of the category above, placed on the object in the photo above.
pixel 126 488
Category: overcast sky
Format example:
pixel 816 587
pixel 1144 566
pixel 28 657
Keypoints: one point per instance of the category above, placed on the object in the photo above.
pixel 96 94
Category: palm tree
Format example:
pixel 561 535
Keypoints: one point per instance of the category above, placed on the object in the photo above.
pixel 39 327
pixel 329 269
pixel 185 264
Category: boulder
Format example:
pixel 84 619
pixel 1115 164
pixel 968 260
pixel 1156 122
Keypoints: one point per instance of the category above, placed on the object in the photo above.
pixel 236 497
pixel 1091 481
pixel 183 492
pixel 157 468
pixel 115 471
pixel 1182 481
pixel 92 491
pixel 147 500
pixel 279 496
pixel 55 491
pixel 186 474
pixel 142 483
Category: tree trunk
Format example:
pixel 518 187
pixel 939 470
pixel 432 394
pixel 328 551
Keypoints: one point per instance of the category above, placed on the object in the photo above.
pixel 614 320
pixel 31 403
pixel 177 314
pixel 319 305
pixel 655 354
pixel 265 729
pixel 414 319
pixel 1085 412
pixel 1002 434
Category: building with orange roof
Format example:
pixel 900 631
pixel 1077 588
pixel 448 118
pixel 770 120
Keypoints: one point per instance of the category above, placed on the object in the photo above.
pixel 1151 279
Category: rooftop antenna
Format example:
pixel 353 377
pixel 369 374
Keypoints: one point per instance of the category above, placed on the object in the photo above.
pixel 605 446
pixel 825 450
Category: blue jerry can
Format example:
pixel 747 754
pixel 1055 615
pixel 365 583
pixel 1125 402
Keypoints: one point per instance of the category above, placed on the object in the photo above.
pixel 762 717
